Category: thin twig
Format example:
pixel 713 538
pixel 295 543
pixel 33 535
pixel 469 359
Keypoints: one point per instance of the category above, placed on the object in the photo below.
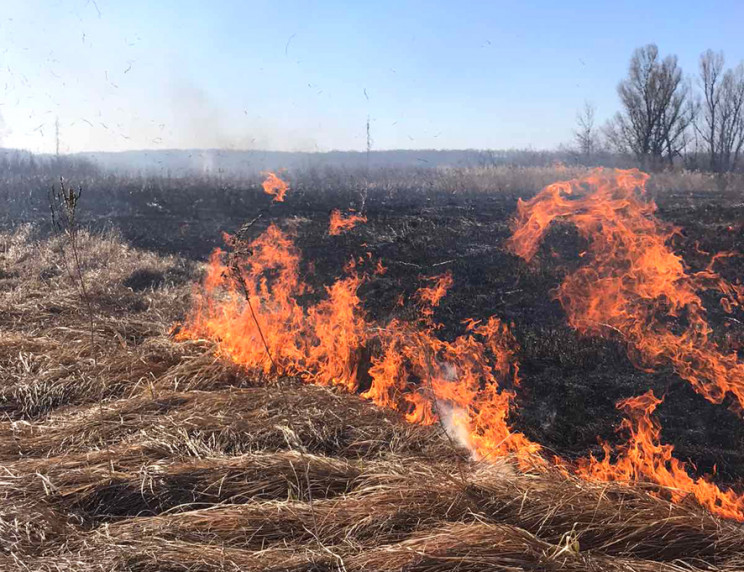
pixel 238 275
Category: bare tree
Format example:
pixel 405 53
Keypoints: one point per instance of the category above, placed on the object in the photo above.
pixel 586 134
pixel 732 117
pixel 657 109
pixel 711 68
pixel 721 125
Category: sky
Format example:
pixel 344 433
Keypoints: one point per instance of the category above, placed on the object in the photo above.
pixel 306 76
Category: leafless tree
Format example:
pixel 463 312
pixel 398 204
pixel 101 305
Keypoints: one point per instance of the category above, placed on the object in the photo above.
pixel 586 134
pixel 721 125
pixel 657 110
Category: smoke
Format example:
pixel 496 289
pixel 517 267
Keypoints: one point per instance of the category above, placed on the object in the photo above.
pixel 200 122
pixel 454 419
pixel 455 423
pixel 4 131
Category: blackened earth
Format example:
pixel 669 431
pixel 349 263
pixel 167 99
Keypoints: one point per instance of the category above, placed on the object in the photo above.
pixel 570 383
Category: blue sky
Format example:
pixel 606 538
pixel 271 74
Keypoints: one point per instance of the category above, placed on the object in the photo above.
pixel 291 75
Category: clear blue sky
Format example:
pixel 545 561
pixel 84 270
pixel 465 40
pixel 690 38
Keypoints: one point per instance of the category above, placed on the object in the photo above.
pixel 292 75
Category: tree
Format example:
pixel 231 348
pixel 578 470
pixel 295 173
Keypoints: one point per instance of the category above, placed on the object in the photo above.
pixel 586 135
pixel 721 125
pixel 657 109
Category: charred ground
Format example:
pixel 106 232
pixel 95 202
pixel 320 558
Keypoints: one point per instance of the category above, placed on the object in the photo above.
pixel 422 224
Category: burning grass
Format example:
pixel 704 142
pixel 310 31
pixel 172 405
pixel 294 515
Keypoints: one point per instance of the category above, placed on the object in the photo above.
pixel 131 450
pixel 633 284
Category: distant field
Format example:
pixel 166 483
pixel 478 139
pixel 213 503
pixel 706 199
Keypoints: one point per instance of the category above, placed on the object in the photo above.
pixel 186 215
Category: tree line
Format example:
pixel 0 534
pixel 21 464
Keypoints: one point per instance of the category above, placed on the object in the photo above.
pixel 666 119
pixel 16 162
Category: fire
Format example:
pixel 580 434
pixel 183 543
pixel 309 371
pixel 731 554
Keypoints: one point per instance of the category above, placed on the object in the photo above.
pixel 251 308
pixel 632 284
pixel 341 223
pixel 431 296
pixel 248 303
pixel 644 458
pixel 274 186
pixel 420 374
pixel 458 376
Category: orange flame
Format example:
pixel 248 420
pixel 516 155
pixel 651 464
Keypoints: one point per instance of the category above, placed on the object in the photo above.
pixel 252 310
pixel 431 296
pixel 341 223
pixel 644 458
pixel 319 343
pixel 274 186
pixel 633 284
pixel 457 375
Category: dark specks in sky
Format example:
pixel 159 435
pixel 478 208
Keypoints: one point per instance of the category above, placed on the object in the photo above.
pixel 286 46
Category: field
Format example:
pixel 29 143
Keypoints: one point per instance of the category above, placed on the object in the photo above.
pixel 128 446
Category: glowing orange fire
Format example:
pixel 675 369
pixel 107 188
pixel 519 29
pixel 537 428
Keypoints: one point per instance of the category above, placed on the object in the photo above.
pixel 256 317
pixel 632 283
pixel 275 187
pixel 251 309
pixel 460 381
pixel 644 458
pixel 341 223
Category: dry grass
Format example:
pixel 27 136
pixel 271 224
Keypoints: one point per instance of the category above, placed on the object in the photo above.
pixel 522 180
pixel 140 453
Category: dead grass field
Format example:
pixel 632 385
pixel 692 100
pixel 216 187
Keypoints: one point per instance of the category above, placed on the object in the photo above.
pixel 142 453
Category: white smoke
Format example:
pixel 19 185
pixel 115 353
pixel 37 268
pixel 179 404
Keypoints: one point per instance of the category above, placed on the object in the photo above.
pixel 199 121
pixel 456 424
pixel 454 419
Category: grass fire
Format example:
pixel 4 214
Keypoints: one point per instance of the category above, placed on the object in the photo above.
pixel 631 282
pixel 346 293
pixel 286 411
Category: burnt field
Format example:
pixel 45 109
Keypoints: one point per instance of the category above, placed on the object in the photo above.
pixel 418 226
pixel 126 448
